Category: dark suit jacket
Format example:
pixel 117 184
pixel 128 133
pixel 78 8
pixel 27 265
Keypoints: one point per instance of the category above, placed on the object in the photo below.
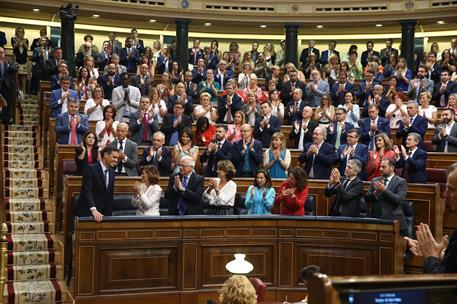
pixel 136 130
pixel 63 129
pixel 192 196
pixel 217 78
pixel 451 140
pixel 164 164
pixel 290 117
pixel 385 55
pixel 305 53
pixel 338 97
pixel 6 79
pixel 331 138
pixel 222 109
pixel 131 151
pixel 390 199
pixel 346 199
pixel 323 160
pixel 94 192
pixel 129 63
pixel 3 40
pixel 167 126
pixel 264 135
pixel 419 126
pixel 361 153
pixel 449 262
pixel 136 82
pixel 383 126
pixel 188 107
pixel 451 87
pixel 364 57
pixel 308 137
pixel 81 164
pixel 200 54
pixel 38 64
pixel 324 57
pixel 286 91
pixel 107 87
pixel 363 94
pixel 415 166
pixel 255 158
pixel 56 108
pixel 224 153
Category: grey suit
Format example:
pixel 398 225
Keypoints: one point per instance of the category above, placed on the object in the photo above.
pixel 131 151
pixel 124 110
pixel 314 97
pixel 451 139
pixel 412 91
pixel 387 204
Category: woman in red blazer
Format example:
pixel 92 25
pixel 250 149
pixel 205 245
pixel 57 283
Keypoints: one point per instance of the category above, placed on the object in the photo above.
pixel 292 193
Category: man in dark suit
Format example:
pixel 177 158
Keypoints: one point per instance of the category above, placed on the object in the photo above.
pixel 195 52
pixel 185 190
pixel 440 257
pixel 347 190
pixel 222 75
pixel 114 44
pixel 287 88
pixel 104 57
pixel 110 81
pixel 87 49
pixel 266 125
pixel 366 55
pixel 143 81
pixel 173 124
pixel 3 40
pixel 157 155
pixel 445 136
pixel 96 197
pixel 302 133
pixel 60 97
pixel 318 156
pixel 338 90
pixel 52 64
pixel 413 123
pixel 385 53
pixel 327 53
pixel 229 104
pixel 7 86
pixel 219 149
pixel 39 57
pixel 372 125
pixel 181 96
pixel 293 109
pixel 434 68
pixel 412 159
pixel 377 97
pixel 128 151
pixel 420 84
pixel 309 50
pixel 366 87
pixel 444 88
pixel 71 126
pixel 386 193
pixel 138 44
pixel 199 71
pixel 352 150
pixel 248 153
pixel 164 60
pixel 338 130
pixel 129 56
pixel 142 123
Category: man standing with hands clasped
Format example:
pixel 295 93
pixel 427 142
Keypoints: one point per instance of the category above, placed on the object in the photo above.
pixel 440 257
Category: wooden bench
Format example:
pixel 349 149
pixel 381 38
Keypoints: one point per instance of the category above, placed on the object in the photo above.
pixel 182 259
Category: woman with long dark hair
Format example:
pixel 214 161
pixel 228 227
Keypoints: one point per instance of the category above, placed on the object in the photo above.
pixel 261 195
pixel 293 193
pixel 87 152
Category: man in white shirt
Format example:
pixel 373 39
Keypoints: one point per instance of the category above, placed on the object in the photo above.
pixel 125 99
pixel 60 97
pixel 128 152
pixel 303 129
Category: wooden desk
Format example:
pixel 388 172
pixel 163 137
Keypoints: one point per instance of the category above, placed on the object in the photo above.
pixel 141 258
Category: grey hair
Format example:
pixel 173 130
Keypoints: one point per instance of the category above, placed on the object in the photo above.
pixel 416 136
pixel 188 161
pixel 357 164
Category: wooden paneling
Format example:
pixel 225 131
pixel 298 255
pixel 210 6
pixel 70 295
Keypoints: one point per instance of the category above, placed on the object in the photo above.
pixel 113 263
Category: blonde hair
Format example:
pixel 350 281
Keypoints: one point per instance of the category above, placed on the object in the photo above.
pixel 237 290
pixel 280 136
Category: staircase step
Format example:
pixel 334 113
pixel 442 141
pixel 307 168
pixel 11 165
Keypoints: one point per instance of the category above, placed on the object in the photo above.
pixel 29 128
pixel 23 173
pixel 27 216
pixel 16 192
pixel 34 272
pixel 30 227
pixel 27 141
pixel 42 292
pixel 23 183
pixel 18 156
pixel 34 257
pixel 30 242
pixel 20 164
pixel 27 204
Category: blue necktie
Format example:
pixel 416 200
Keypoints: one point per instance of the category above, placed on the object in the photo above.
pixel 181 206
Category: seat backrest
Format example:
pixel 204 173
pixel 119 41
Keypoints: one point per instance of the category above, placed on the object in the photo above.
pixel 408 211
pixel 436 175
pixel 363 208
pixel 68 167
pixel 240 207
pixel 310 206
pixel 260 289
pixel 429 147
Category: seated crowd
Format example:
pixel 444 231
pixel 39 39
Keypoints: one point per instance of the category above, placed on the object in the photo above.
pixel 341 110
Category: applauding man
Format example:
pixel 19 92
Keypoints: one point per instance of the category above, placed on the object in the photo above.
pixel 266 125
pixel 157 155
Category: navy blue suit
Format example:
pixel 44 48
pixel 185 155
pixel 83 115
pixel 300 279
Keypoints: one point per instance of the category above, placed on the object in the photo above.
pixel 324 57
pixel 94 192
pixel 188 106
pixel 198 55
pixel 264 135
pixel 191 197
pixel 338 97
pixel 419 126
pixel 323 160
pixel 382 106
pixel 255 157
pixel 331 138
pixel 162 63
pixel 383 126
pixel 107 87
pixel 289 117
pixel 56 95
pixel 63 128
pixel 164 164
pixel 217 78
pixel 222 109
pixel 130 62
pixel 168 129
pixel 360 153
pixel 363 94
pixel 224 153
pixel 414 167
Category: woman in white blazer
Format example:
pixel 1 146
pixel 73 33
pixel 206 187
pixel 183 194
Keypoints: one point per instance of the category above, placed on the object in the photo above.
pixel 148 192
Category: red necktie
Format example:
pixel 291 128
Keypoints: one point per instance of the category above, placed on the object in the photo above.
pixel 145 128
pixel 73 132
